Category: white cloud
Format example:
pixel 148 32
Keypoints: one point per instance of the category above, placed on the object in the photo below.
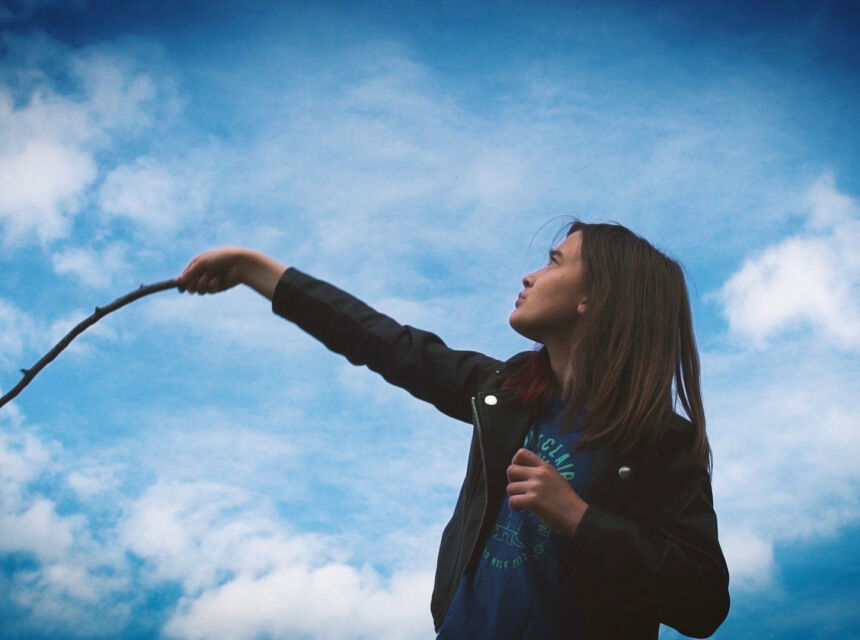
pixel 44 169
pixel 41 186
pixel 56 330
pixel 72 571
pixel 60 599
pixel 37 530
pixel 239 317
pixel 50 131
pixel 17 330
pixel 829 209
pixel 390 165
pixel 92 268
pixel 786 447
pixel 750 560
pixel 119 90
pixel 204 443
pixel 242 571
pixel 783 427
pixel 244 576
pixel 807 280
pixel 335 601
pixel 154 197
pixel 396 159
pixel 782 409
pixel 22 458
pixel 92 480
pixel 24 339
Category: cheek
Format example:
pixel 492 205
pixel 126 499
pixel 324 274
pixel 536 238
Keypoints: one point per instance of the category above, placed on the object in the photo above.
pixel 549 310
pixel 560 299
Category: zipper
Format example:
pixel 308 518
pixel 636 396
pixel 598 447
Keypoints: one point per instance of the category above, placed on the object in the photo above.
pixel 486 479
pixel 454 577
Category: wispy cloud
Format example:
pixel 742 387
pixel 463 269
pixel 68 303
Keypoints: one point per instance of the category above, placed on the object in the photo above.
pixel 243 572
pixel 52 131
pixel 24 337
pixel 749 556
pixel 17 329
pixel 66 572
pixel 244 576
pixel 43 175
pixel 93 268
pixel 335 601
pixel 808 279
pixel 153 197
pixel 783 413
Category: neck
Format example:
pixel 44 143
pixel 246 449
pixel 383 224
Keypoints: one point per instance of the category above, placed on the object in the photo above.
pixel 560 351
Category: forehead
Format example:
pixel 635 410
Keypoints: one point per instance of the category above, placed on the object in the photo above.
pixel 571 244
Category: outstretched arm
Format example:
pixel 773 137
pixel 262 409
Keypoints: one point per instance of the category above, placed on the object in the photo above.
pixel 416 360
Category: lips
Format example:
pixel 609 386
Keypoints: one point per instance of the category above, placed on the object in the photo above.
pixel 520 298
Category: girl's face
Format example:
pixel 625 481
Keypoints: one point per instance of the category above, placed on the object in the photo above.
pixel 554 297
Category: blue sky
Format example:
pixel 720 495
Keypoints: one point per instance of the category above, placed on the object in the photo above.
pixel 196 467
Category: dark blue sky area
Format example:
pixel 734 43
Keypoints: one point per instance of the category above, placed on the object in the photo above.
pixel 820 590
pixel 803 55
pixel 816 33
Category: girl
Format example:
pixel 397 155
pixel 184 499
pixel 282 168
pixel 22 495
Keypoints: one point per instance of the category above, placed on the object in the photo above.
pixel 586 510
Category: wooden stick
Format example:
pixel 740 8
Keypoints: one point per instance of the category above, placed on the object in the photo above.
pixel 100 312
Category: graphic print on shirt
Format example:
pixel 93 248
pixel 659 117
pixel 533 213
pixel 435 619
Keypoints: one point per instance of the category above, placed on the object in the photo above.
pixel 521 535
pixel 516 590
pixel 509 535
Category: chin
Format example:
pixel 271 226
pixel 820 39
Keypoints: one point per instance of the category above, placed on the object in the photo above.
pixel 522 328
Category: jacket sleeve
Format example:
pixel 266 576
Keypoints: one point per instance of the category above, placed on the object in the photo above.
pixel 415 360
pixel 672 568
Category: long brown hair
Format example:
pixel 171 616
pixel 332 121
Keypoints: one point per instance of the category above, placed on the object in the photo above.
pixel 633 342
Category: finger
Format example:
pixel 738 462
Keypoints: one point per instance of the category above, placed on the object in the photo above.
pixel 520 502
pixel 517 472
pixel 215 284
pixel 203 283
pixel 190 283
pixel 527 458
pixel 182 283
pixel 518 488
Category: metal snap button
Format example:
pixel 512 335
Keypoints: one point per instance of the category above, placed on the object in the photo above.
pixel 624 472
pixel 490 400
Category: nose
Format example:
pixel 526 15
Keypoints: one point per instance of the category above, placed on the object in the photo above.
pixel 528 280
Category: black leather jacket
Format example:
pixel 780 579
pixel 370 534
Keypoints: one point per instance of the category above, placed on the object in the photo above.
pixel 646 550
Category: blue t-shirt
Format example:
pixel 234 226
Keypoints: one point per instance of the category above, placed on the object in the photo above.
pixel 516 591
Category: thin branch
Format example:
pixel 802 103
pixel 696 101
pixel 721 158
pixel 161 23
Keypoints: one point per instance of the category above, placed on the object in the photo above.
pixel 100 312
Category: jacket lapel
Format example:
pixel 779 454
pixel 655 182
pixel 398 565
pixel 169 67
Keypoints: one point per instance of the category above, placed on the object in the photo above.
pixel 504 424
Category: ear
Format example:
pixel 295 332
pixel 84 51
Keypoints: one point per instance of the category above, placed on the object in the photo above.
pixel 583 305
